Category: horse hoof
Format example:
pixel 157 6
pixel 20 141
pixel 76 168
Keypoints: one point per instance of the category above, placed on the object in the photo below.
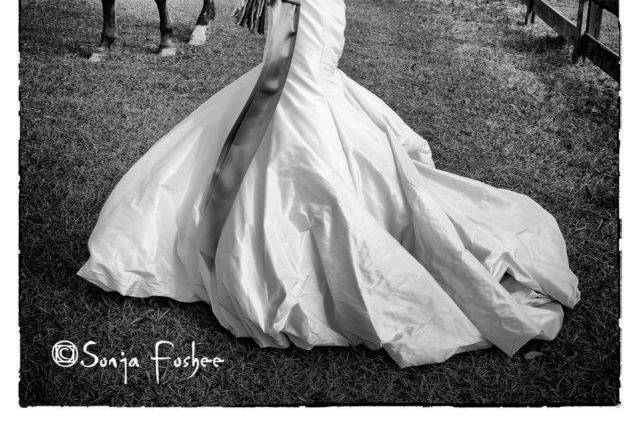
pixel 167 51
pixel 198 36
pixel 97 57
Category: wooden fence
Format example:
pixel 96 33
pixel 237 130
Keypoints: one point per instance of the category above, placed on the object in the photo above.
pixel 582 34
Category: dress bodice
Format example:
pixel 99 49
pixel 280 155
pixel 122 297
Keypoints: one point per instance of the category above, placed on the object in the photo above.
pixel 320 38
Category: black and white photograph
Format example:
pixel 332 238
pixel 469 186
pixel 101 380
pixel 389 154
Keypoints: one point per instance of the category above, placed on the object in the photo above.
pixel 319 203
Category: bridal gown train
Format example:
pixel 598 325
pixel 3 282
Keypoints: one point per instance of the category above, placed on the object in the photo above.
pixel 342 230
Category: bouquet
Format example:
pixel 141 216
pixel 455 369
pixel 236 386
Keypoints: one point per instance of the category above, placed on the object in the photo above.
pixel 252 14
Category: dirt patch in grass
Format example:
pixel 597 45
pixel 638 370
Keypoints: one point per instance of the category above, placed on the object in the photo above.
pixel 497 101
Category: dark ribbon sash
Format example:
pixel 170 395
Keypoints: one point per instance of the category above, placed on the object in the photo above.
pixel 247 133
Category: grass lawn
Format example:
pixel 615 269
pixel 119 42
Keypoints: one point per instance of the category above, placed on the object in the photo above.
pixel 497 101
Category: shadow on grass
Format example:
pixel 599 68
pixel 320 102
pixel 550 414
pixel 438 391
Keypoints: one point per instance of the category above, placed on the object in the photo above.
pixel 550 48
pixel 587 90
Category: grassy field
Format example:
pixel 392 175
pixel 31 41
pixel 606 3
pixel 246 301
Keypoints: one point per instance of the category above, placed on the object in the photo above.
pixel 498 102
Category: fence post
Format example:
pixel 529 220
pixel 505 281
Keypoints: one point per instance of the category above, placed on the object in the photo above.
pixel 593 24
pixel 530 12
pixel 577 48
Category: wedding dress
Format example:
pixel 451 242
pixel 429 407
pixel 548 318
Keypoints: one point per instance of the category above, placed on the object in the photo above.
pixel 341 230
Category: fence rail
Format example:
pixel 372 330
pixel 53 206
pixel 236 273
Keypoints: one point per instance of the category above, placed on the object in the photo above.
pixel 583 34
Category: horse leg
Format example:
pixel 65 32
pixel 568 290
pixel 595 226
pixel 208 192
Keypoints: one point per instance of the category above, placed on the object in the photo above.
pixel 108 31
pixel 167 47
pixel 198 36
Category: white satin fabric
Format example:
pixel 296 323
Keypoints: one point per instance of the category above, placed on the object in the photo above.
pixel 343 232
